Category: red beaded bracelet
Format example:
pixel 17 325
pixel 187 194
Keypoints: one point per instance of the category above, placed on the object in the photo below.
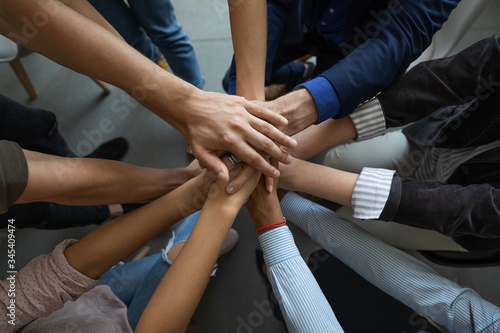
pixel 272 225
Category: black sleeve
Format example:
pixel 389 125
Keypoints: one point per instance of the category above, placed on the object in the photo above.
pixel 453 81
pixel 452 210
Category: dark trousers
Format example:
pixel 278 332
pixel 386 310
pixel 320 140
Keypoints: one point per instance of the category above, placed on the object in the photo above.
pixel 36 129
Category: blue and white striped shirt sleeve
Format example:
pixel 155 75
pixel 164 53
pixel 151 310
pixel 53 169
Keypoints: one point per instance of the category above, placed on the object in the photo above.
pixel 393 271
pixel 371 192
pixel 302 302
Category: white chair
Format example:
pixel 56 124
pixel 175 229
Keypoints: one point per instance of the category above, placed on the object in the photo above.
pixel 459 22
pixel 10 52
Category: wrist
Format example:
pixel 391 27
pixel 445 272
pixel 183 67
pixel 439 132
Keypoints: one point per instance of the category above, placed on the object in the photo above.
pixel 266 215
pixel 189 102
pixel 307 104
pixel 268 227
pixel 251 93
pixel 224 208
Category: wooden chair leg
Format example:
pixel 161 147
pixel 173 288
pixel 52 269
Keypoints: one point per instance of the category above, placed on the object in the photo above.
pixel 18 68
pixel 104 86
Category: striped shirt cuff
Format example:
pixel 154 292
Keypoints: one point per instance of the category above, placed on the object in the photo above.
pixel 371 192
pixel 369 120
pixel 278 245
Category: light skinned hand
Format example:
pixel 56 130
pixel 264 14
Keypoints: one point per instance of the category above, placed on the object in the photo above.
pixel 233 124
pixel 298 107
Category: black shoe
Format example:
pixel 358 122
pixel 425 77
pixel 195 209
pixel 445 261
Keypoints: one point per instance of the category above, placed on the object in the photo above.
pixel 111 150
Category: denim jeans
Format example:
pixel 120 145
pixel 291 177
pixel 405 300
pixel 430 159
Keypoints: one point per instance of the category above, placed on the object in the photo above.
pixel 151 27
pixel 135 282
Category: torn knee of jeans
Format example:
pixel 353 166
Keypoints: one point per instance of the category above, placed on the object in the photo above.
pixel 167 248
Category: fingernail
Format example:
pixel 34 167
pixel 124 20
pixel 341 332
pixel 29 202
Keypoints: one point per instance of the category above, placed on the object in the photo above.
pixel 293 143
pixel 276 173
pixel 220 175
pixel 270 188
pixel 284 122
pixel 231 189
pixel 289 159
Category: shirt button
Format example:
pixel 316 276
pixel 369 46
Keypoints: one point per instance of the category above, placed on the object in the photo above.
pixel 465 170
pixel 332 10
pixel 304 28
pixel 323 23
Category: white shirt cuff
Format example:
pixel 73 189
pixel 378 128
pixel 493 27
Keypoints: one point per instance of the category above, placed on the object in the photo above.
pixel 371 192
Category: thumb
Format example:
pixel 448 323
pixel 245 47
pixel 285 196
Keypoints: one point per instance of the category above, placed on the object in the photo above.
pixel 213 163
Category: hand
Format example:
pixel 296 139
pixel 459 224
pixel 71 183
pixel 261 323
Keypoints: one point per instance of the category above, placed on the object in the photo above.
pixel 218 196
pixel 193 169
pixel 216 122
pixel 247 171
pixel 298 107
pixel 264 205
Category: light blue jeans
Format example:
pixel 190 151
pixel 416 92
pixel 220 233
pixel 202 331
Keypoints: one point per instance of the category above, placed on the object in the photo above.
pixel 151 27
pixel 135 282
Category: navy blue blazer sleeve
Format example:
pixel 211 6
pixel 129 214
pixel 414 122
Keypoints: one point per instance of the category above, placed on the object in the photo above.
pixel 404 31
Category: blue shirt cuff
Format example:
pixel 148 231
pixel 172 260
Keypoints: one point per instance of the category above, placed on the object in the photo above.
pixel 278 245
pixel 325 96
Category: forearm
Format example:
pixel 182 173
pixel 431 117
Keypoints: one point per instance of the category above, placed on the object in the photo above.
pixel 85 181
pixel 77 42
pixel 181 289
pixel 318 138
pixel 399 274
pixel 319 180
pixel 249 34
pixel 86 9
pixel 266 212
pixel 305 307
pixel 99 251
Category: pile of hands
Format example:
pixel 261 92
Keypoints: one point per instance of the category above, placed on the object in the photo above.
pixel 253 191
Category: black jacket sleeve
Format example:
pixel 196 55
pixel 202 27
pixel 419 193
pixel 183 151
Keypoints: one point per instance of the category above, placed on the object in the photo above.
pixel 450 209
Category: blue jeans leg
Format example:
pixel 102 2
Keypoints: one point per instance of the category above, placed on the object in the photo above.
pixel 125 279
pixel 121 17
pixel 135 282
pixel 158 19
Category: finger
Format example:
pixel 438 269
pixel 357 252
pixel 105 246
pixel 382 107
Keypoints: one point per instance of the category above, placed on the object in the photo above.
pixel 272 183
pixel 269 184
pixel 254 159
pixel 212 163
pixel 267 146
pixel 260 111
pixel 273 133
pixel 211 177
pixel 241 179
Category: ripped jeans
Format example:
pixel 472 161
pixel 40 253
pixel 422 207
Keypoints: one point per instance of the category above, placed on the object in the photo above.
pixel 135 282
